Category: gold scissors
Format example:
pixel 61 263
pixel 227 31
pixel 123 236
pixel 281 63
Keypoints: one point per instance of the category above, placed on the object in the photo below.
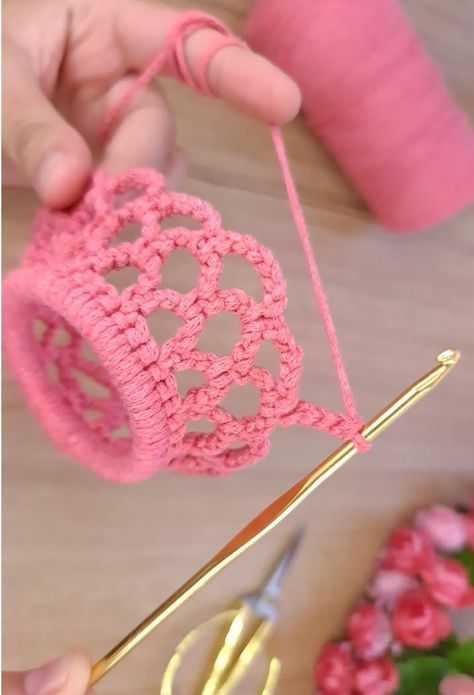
pixel 249 627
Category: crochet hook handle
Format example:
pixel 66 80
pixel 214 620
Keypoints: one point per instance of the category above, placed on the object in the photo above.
pixel 276 512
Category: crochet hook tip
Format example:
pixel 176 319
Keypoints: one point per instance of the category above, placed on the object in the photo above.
pixel 449 357
pixel 445 361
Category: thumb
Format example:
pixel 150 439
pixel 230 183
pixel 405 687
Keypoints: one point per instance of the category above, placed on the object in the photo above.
pixel 67 675
pixel 52 156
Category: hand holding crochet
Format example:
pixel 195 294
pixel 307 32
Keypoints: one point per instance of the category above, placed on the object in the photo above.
pixel 66 63
pixel 61 286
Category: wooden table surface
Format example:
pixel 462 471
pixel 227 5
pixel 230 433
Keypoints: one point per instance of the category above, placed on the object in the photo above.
pixel 84 560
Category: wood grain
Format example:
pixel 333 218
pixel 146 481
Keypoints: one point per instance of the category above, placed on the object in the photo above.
pixel 84 560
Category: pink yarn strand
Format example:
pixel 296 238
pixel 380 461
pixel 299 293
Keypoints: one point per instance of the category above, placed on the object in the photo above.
pixel 113 114
pixel 320 295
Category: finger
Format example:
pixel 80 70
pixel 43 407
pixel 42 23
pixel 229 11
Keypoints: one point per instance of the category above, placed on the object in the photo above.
pixel 175 169
pixel 243 79
pixel 145 136
pixel 67 675
pixel 79 674
pixel 457 685
pixel 45 149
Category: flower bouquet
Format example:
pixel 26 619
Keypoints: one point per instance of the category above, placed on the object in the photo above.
pixel 399 638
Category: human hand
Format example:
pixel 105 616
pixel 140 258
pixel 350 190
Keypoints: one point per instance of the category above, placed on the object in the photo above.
pixel 68 675
pixel 67 61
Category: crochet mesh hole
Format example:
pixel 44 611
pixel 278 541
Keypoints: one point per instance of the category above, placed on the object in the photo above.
pixel 174 221
pixel 187 380
pixel 62 337
pixel 220 334
pixel 237 444
pixel 53 372
pixel 130 232
pixel 268 358
pixel 237 272
pixel 39 328
pixel 87 352
pixel 180 272
pixel 121 432
pixel 92 414
pixel 163 325
pixel 89 385
pixel 121 199
pixel 123 277
pixel 242 401
pixel 201 426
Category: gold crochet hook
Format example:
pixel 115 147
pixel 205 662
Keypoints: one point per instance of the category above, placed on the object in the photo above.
pixel 278 510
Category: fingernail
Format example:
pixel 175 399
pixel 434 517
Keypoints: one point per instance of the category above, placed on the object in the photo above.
pixel 47 679
pixel 50 169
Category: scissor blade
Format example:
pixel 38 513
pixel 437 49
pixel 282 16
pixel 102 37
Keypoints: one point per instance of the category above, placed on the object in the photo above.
pixel 272 586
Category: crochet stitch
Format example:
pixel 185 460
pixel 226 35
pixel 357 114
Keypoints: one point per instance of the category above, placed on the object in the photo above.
pixel 62 286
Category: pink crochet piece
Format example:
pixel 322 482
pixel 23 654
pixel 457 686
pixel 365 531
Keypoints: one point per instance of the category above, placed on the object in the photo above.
pixel 61 286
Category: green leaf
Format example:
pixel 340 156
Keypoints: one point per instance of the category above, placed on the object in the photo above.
pixel 461 657
pixel 447 645
pixel 422 675
pixel 466 558
pixel 441 649
pixel 410 653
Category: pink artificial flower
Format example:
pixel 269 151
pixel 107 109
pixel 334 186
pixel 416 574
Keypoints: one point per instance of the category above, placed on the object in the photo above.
pixel 406 551
pixel 396 648
pixel 417 621
pixel 387 586
pixel 456 684
pixel 468 520
pixel 443 526
pixel 368 629
pixel 446 580
pixel 468 599
pixel 334 670
pixel 378 677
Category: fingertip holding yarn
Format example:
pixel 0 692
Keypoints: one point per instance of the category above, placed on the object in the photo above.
pixel 376 101
pixel 62 286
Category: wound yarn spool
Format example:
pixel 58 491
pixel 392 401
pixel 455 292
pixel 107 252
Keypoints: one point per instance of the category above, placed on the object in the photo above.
pixel 377 102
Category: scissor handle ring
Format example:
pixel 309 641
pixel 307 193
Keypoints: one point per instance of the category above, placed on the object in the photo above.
pixel 191 638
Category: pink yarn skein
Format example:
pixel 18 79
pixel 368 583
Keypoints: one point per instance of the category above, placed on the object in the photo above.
pixel 375 99
pixel 62 284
